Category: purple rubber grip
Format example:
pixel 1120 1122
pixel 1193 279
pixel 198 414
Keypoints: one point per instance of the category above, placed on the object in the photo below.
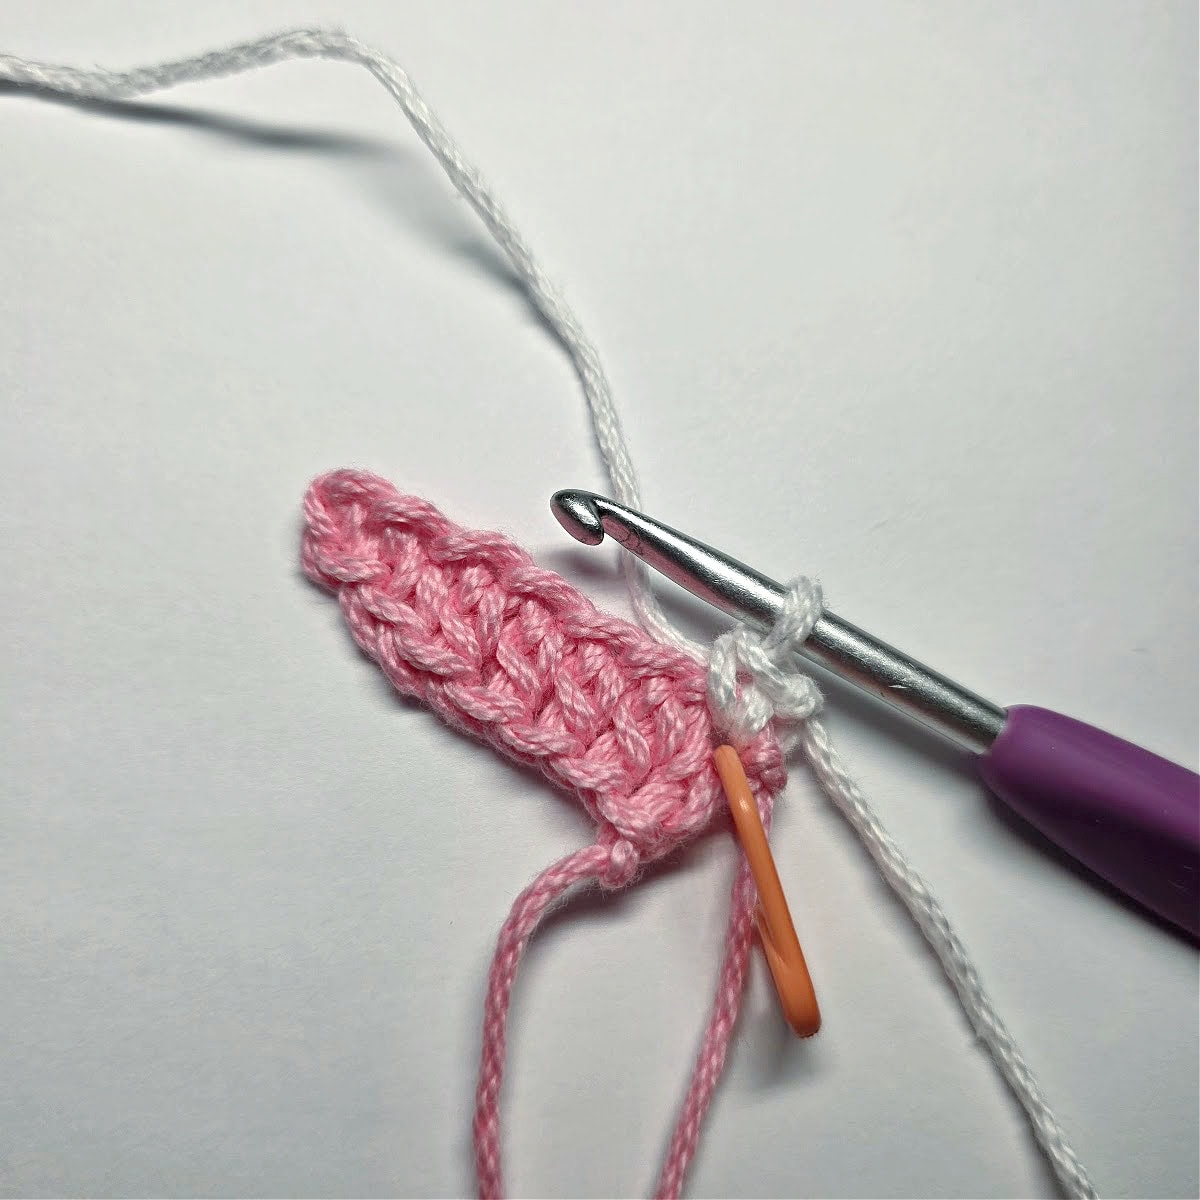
pixel 1130 816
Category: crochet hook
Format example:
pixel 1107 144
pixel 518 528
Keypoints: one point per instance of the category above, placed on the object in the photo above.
pixel 1127 814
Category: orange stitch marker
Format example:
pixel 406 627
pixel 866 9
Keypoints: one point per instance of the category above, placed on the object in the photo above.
pixel 775 928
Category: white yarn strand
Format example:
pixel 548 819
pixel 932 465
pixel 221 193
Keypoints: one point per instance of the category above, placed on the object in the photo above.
pixel 332 44
pixel 752 678
pixel 755 678
pixel 925 910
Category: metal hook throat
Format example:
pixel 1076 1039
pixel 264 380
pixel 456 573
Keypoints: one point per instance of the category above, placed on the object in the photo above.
pixel 851 653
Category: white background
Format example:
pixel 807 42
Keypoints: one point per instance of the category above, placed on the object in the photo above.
pixel 902 295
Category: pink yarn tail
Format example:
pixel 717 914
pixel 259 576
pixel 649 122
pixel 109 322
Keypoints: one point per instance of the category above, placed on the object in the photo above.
pixel 714 1047
pixel 727 1004
pixel 523 918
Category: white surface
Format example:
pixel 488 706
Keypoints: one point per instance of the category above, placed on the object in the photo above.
pixel 902 295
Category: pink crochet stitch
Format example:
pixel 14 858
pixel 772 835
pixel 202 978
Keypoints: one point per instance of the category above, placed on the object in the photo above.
pixel 515 656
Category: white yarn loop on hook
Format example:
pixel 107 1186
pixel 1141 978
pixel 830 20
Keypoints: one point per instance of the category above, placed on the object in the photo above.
pixel 753 678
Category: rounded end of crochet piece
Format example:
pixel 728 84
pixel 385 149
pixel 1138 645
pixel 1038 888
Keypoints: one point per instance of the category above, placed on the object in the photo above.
pixel 577 514
pixel 513 655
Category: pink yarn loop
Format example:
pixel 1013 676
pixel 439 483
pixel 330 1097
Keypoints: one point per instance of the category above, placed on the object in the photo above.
pixel 515 656
pixel 621 865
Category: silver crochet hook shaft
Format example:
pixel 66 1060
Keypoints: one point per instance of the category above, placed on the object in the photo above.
pixel 742 592
pixel 1129 815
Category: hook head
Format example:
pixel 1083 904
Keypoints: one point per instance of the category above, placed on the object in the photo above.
pixel 576 512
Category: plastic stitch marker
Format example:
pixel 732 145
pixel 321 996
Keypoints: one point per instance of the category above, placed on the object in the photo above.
pixel 775 928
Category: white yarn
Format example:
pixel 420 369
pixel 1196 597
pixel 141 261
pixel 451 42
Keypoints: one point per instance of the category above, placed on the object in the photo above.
pixel 752 678
pixel 340 47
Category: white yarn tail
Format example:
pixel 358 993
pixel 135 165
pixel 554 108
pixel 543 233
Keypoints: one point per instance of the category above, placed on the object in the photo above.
pixel 756 678
pixel 340 47
pixel 779 690
pixel 924 909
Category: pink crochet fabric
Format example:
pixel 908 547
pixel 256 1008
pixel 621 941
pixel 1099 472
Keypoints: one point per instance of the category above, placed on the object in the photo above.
pixel 515 656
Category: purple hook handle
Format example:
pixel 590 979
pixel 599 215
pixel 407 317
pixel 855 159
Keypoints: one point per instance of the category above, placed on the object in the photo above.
pixel 1130 816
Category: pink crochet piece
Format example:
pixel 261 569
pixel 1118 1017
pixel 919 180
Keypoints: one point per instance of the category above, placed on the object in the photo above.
pixel 515 656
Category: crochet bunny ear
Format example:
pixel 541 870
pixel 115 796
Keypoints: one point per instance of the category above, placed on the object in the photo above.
pixel 515 656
